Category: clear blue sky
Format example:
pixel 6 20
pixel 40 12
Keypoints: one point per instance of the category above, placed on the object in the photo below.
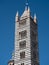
pixel 8 9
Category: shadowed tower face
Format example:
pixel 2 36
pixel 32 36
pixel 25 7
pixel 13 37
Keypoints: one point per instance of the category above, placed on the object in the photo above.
pixel 26 39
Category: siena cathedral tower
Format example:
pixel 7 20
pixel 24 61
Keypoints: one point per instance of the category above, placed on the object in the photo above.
pixel 26 51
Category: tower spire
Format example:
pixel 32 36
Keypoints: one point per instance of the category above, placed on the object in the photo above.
pixel 35 18
pixel 17 16
pixel 26 5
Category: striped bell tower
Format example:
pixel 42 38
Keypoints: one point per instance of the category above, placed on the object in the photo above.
pixel 26 39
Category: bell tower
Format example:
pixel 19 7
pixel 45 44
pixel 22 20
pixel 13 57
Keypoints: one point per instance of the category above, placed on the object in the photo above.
pixel 26 39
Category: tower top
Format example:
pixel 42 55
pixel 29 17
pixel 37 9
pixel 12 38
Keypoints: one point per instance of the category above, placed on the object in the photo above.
pixel 26 5
pixel 26 12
